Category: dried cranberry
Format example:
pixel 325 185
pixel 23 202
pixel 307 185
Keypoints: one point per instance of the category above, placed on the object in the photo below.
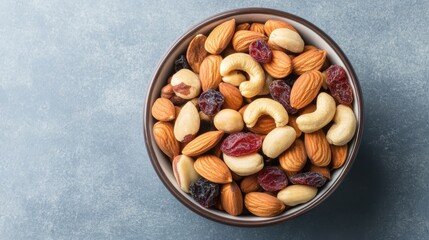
pixel 204 192
pixel 181 63
pixel 313 179
pixel 280 92
pixel 240 144
pixel 272 179
pixel 260 51
pixel 338 84
pixel 210 102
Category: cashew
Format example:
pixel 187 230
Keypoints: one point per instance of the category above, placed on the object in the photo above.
pixel 244 62
pixel 325 111
pixel 245 165
pixel 287 39
pixel 186 84
pixel 266 106
pixel 278 140
pixel 296 194
pixel 187 123
pixel 234 78
pixel 228 120
pixel 268 81
pixel 344 127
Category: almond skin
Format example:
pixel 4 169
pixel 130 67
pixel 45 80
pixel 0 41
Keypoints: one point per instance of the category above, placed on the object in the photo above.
pixel 164 138
pixel 263 204
pixel 196 52
pixel 312 59
pixel 317 148
pixel 339 155
pixel 213 169
pixel 220 37
pixel 292 123
pixel 322 170
pixel 250 184
pixel 257 27
pixel 264 125
pixel 232 95
pixel 280 66
pixel 209 72
pixel 272 24
pixel 231 199
pixel 243 38
pixel 305 89
pixel 294 158
pixel 163 110
pixel 243 26
pixel 202 143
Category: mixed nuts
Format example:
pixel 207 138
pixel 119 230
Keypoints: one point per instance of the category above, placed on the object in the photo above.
pixel 253 120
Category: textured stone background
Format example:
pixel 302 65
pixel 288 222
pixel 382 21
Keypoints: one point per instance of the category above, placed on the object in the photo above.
pixel 73 79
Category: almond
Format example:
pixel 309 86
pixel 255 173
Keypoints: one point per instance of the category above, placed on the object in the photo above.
pixel 257 27
pixel 202 143
pixel 232 96
pixel 305 89
pixel 309 60
pixel 280 66
pixel 231 199
pixel 339 155
pixel 292 123
pixel 167 91
pixel 264 125
pixel 250 184
pixel 294 158
pixel 220 37
pixel 164 137
pixel 317 148
pixel 209 72
pixel 322 170
pixel 163 110
pixel 243 26
pixel 196 52
pixel 213 169
pixel 243 38
pixel 272 24
pixel 263 204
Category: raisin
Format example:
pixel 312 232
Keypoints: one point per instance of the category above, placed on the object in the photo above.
pixel 260 51
pixel 272 179
pixel 291 79
pixel 313 179
pixel 240 144
pixel 181 63
pixel 280 92
pixel 204 192
pixel 210 102
pixel 339 85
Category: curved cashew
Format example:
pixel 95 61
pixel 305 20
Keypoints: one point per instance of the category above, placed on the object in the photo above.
pixel 234 78
pixel 244 62
pixel 278 140
pixel 343 130
pixel 325 111
pixel 266 106
pixel 244 165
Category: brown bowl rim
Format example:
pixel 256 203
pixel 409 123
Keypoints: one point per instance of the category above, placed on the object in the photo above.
pixel 264 221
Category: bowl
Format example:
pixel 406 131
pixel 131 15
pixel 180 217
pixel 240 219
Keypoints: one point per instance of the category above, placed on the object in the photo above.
pixel 312 35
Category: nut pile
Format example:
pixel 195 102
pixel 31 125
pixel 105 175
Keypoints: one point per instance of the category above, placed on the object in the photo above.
pixel 253 120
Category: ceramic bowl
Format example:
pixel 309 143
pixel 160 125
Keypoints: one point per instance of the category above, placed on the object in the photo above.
pixel 311 35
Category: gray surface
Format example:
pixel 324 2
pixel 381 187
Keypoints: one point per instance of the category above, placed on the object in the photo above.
pixel 73 78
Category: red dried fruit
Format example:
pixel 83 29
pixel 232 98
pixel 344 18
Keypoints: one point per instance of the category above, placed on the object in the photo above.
pixel 280 91
pixel 210 102
pixel 240 144
pixel 204 192
pixel 272 179
pixel 260 51
pixel 313 179
pixel 338 84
